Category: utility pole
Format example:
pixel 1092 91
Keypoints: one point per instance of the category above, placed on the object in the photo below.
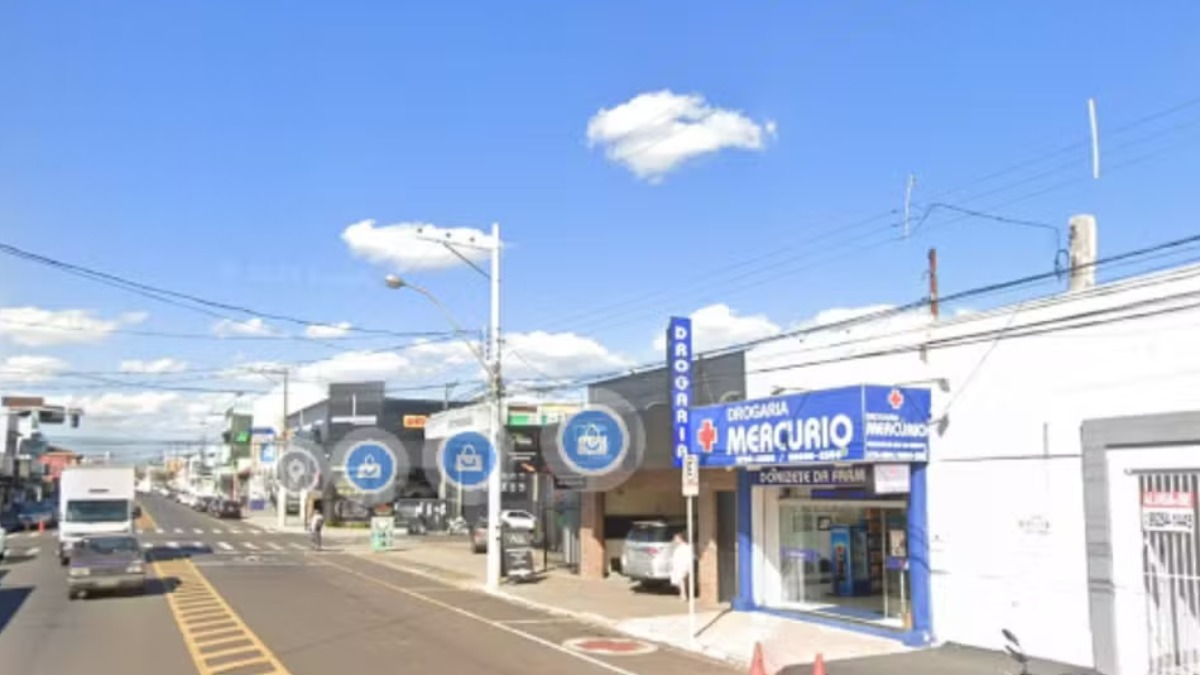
pixel 933 283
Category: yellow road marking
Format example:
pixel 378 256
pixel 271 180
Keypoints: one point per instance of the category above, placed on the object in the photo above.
pixel 215 636
pixel 145 522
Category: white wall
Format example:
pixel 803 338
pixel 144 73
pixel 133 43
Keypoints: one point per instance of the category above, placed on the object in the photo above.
pixel 1006 504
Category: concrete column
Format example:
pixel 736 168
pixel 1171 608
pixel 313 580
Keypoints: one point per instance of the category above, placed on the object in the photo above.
pixel 591 535
pixel 706 544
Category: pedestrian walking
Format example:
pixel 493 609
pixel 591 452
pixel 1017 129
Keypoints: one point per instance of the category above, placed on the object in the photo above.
pixel 681 566
pixel 318 523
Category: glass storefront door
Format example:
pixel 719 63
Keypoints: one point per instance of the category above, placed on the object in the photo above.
pixel 843 558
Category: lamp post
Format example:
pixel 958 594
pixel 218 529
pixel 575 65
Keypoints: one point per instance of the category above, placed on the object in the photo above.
pixel 491 364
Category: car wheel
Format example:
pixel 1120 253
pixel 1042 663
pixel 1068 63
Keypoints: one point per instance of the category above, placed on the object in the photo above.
pixel 63 560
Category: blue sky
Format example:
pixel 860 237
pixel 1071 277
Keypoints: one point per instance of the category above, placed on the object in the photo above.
pixel 222 149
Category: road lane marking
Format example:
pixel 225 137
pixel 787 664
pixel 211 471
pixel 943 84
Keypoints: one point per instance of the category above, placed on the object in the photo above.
pixel 196 530
pixel 250 546
pixel 216 638
pixel 296 546
pixel 179 530
pixel 233 531
pixel 33 552
pixel 484 620
pixel 173 544
pixel 224 546
pixel 159 530
pixel 274 547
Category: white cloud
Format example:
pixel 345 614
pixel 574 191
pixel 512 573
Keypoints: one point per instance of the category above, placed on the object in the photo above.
pixel 326 332
pixel 29 369
pixel 163 365
pixel 653 133
pixel 542 354
pixel 717 326
pixel 36 327
pixel 400 246
pixel 125 405
pixel 249 327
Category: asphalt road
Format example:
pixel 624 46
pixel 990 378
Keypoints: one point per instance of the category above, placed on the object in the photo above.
pixel 236 600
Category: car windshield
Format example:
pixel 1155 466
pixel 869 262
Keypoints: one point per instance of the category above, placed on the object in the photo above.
pixel 520 514
pixel 97 511
pixel 111 545
pixel 651 533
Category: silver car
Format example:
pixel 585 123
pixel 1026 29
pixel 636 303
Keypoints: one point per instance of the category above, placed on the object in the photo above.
pixel 648 549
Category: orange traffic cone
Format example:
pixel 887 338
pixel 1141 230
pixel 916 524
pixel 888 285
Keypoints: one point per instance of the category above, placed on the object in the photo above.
pixel 758 665
pixel 819 665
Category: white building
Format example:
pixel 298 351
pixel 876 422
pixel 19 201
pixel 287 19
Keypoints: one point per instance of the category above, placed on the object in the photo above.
pixel 1052 421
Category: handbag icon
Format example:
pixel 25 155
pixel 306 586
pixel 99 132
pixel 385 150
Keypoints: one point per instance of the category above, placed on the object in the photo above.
pixel 468 460
pixel 368 469
pixel 591 442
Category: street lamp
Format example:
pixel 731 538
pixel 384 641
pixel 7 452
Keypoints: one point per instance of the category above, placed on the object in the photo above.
pixel 490 363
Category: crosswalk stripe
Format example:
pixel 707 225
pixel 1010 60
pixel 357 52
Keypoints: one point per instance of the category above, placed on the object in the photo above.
pixel 250 546
pixel 179 530
pixel 147 545
pixel 224 546
pixel 32 553
pixel 198 544
pixel 217 530
pixel 160 531
pixel 173 544
pixel 197 530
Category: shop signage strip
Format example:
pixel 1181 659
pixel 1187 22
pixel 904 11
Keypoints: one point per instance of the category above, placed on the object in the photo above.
pixel 867 423
pixel 679 374
pixel 815 476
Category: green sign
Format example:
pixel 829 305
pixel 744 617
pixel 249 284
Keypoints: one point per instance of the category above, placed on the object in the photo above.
pixel 383 529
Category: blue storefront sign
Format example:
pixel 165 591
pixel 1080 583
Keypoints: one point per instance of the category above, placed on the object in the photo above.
pixel 593 442
pixel 866 423
pixel 370 467
pixel 679 370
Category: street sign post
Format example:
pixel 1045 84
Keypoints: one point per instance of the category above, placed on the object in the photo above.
pixel 691 475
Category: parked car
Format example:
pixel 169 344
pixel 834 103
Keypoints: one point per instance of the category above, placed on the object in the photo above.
pixel 518 520
pixel 106 563
pixel 410 518
pixel 478 536
pixel 648 548
pixel 202 503
pixel 226 508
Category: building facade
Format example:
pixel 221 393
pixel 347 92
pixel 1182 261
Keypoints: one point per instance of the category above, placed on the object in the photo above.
pixel 1061 486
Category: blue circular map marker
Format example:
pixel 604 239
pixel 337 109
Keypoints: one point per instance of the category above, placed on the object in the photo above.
pixel 370 467
pixel 467 459
pixel 593 442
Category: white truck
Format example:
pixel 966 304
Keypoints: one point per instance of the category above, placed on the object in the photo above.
pixel 93 500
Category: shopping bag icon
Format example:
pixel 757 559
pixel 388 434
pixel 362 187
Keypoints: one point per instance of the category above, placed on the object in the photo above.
pixel 591 442
pixel 468 460
pixel 369 468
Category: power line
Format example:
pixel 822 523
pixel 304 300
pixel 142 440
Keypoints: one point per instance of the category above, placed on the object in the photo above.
pixel 174 297
pixel 714 278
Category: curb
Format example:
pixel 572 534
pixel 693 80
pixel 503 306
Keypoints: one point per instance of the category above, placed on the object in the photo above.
pixel 585 617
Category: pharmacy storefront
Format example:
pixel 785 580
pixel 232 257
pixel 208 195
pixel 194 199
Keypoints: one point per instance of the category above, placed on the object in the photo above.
pixel 832 510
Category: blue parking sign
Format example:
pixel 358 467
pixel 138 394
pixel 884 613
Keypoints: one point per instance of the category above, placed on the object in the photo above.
pixel 370 467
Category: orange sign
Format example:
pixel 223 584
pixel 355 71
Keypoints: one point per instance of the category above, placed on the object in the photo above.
pixel 415 421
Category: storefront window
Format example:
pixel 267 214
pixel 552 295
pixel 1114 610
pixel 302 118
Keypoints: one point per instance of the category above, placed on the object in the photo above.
pixel 843 558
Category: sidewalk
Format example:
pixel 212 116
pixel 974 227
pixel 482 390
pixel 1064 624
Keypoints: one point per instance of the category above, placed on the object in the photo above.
pixel 661 617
